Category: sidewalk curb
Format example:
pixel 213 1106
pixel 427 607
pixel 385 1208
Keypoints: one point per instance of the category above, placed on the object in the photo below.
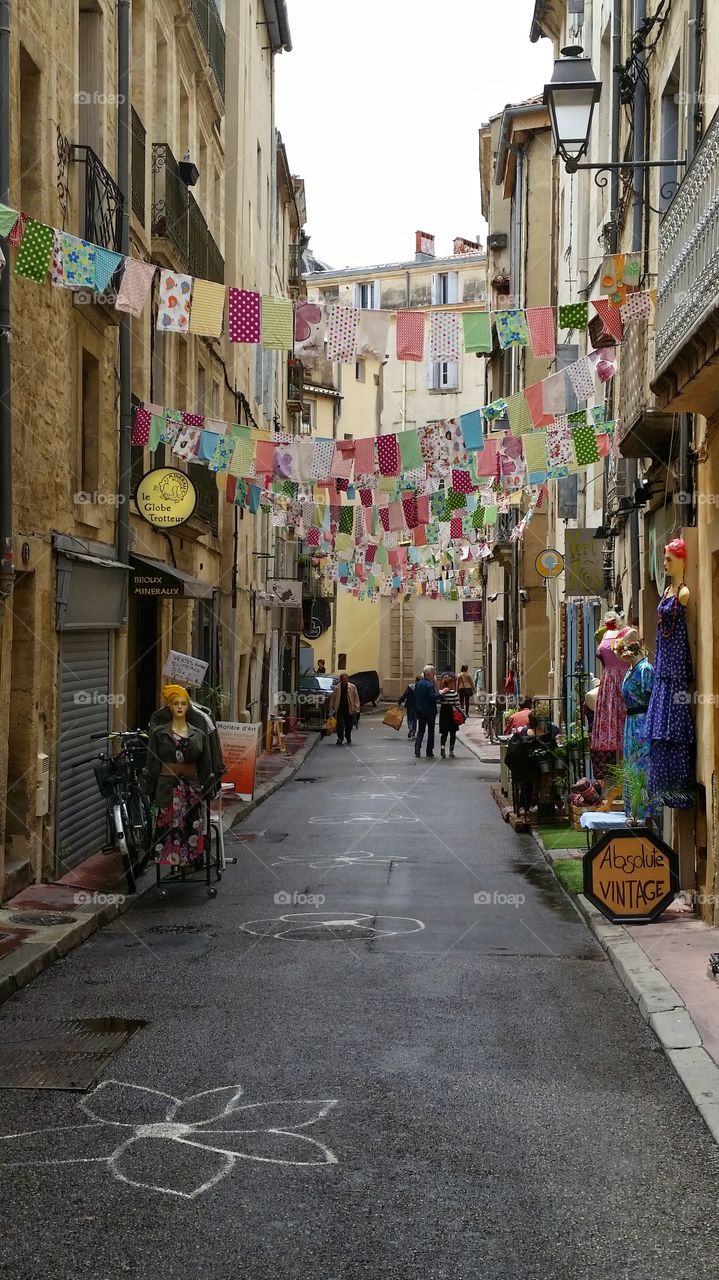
pixel 477 751
pixel 661 1007
pixel 33 957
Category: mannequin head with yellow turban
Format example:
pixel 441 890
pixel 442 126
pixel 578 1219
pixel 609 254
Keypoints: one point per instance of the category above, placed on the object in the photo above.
pixel 177 699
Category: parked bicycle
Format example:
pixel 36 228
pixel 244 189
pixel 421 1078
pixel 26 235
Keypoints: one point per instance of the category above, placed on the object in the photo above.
pixel 120 780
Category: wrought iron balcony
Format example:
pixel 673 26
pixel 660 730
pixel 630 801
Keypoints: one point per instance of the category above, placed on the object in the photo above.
pixel 687 340
pixel 644 430
pixel 102 200
pixel 207 509
pixel 212 34
pixel 176 217
pixel 294 269
pixel 138 166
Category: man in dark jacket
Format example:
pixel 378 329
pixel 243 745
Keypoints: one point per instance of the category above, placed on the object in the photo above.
pixel 407 700
pixel 426 697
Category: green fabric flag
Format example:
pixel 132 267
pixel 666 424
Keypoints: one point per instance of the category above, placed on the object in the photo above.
pixel 520 420
pixel 478 518
pixel 347 519
pixel 579 417
pixel 585 445
pixel 477 326
pixel 409 450
pixel 381 557
pixel 455 502
pixel 157 426
pixel 33 260
pixel 8 218
pixel 575 315
pixel 490 515
pixel 534 447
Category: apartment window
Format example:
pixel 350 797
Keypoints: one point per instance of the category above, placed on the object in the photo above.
pixel 443 375
pixel 445 287
pixel 359 370
pixel 90 423
pixel 669 139
pixel 330 295
pixel 31 116
pixel 201 383
pixel 91 84
pixel 307 421
pixel 215 400
pixel 366 295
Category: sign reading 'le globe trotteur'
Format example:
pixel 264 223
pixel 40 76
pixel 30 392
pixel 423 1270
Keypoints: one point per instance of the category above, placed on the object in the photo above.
pixel 166 497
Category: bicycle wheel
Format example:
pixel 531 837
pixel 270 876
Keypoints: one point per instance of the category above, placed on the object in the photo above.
pixel 140 819
pixel 124 842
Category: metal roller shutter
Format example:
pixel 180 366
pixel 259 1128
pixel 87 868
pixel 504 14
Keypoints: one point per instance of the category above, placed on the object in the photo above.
pixel 84 710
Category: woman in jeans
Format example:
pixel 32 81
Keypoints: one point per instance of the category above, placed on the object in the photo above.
pixel 465 688
pixel 447 708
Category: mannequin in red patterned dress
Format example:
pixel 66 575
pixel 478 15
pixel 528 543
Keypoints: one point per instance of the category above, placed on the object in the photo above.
pixel 608 724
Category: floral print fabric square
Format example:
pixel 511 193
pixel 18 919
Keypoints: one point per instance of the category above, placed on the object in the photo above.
pixel 135 285
pixel 78 262
pixel 512 328
pixel 173 311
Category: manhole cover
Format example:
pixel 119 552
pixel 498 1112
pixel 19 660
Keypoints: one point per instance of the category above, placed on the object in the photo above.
pixel 48 918
pixel 62 1054
pixel 178 928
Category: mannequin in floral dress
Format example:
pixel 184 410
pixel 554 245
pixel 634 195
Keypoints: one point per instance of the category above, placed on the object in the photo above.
pixel 669 726
pixel 607 736
pixel 179 772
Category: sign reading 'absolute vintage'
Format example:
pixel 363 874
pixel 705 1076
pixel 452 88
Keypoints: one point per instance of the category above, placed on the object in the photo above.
pixel 166 497
pixel 631 875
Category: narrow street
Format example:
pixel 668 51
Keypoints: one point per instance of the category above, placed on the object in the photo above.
pixel 433 1084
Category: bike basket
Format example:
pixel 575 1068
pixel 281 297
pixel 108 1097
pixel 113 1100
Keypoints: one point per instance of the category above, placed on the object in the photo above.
pixel 107 777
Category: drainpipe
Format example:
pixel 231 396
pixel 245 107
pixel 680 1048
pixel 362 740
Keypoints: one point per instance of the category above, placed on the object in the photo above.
pixel 616 116
pixel 123 182
pixel 696 29
pixel 6 560
pixel 639 184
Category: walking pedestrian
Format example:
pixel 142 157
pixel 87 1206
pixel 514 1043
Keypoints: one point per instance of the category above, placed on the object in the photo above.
pixel 407 700
pixel 465 688
pixel 448 706
pixel 345 705
pixel 426 697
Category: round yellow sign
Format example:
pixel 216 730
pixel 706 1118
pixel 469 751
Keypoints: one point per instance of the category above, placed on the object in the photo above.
pixel 166 497
pixel 549 563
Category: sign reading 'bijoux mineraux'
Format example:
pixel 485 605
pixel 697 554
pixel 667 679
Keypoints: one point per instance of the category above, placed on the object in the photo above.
pixel 631 875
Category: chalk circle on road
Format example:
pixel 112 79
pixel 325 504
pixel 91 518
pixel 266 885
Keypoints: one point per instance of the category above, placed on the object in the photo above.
pixel 332 862
pixel 314 926
pixel 361 817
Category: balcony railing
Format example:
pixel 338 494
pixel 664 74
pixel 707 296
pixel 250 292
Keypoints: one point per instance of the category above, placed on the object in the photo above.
pixel 138 166
pixel 176 217
pixel 644 431
pixel 294 269
pixel 207 508
pixel 688 283
pixel 102 200
pixel 212 34
pixel 295 383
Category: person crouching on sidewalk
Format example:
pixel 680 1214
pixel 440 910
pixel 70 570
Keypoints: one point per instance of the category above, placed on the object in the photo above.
pixel 344 704
pixel 447 708
pixel 407 700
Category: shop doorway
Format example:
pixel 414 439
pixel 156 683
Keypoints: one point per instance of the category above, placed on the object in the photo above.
pixel 145 627
pixel 444 648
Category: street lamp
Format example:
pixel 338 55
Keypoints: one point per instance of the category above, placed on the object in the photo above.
pixel 571 97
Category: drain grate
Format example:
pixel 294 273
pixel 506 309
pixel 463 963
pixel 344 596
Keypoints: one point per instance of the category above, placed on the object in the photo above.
pixel 305 779
pixel 47 918
pixel 62 1054
pixel 178 928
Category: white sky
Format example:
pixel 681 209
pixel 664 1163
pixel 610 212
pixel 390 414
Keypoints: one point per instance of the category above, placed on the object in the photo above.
pixel 379 105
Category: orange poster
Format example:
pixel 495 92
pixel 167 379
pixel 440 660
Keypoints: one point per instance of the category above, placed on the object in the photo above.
pixel 240 746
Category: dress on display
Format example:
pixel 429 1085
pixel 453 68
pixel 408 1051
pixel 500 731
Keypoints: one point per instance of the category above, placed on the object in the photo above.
pixel 636 691
pixel 668 725
pixel 180 774
pixel 608 724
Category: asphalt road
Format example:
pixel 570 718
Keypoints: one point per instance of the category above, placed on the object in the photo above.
pixel 410 1081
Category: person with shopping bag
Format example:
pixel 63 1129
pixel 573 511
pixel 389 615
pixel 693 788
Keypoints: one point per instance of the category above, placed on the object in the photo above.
pixel 450 714
pixel 407 700
pixel 426 698
pixel 344 705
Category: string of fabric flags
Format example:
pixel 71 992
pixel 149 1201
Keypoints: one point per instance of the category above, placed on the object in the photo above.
pixel 187 304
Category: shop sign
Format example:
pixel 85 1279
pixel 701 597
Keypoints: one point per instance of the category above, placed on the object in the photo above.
pixel 155 583
pixel 184 669
pixel 549 563
pixel 240 746
pixel 166 497
pixel 471 610
pixel 631 875
pixel 285 591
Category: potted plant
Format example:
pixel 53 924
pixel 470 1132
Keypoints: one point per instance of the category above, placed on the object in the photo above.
pixel 630 779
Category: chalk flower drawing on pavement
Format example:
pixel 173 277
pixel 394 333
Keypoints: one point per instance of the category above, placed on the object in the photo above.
pixel 328 862
pixel 309 926
pixel 176 1146
pixel 362 817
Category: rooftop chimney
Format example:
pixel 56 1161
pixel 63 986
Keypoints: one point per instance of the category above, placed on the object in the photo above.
pixel 423 246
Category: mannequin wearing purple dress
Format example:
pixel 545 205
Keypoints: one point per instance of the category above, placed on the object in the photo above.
pixel 668 725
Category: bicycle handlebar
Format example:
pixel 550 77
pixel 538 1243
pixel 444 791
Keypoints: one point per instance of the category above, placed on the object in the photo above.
pixel 120 733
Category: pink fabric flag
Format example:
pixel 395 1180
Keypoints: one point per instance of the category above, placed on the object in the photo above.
pixel 637 307
pixel 554 394
pixel 243 315
pixel 134 286
pixel 486 461
pixel 533 396
pixel 540 322
pixel 396 516
pixel 141 428
pixel 410 335
pixel 364 456
pixel 581 376
pixel 342 334
pixel 388 454
pixel 455 527
pixel 603 444
pixel 610 317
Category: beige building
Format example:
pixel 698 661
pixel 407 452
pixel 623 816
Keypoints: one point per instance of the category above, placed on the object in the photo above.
pixel 517 203
pixel 82 640
pixel 394 395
